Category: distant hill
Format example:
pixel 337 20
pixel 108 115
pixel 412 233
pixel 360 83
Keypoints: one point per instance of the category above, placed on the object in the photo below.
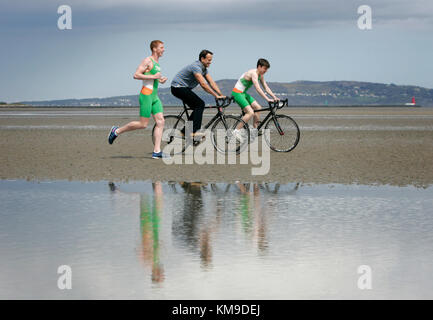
pixel 314 93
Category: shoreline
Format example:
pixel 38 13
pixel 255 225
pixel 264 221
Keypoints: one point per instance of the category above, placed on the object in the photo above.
pixel 338 146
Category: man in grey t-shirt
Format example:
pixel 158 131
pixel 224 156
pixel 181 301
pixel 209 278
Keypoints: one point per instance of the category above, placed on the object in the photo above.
pixel 188 78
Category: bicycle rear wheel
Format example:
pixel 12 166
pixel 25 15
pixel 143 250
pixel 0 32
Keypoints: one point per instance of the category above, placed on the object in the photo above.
pixel 222 136
pixel 284 133
pixel 172 135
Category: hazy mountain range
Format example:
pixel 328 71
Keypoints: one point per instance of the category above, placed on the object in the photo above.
pixel 312 93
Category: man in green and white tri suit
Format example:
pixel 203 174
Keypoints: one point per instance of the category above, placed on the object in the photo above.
pixel 149 71
pixel 244 100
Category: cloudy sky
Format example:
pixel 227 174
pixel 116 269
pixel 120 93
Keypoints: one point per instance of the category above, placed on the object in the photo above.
pixel 303 40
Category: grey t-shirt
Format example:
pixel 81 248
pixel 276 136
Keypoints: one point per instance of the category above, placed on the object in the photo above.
pixel 186 78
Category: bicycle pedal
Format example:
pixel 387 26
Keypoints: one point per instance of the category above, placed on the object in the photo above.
pixel 199 139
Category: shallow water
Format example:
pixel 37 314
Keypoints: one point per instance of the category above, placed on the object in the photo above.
pixel 214 241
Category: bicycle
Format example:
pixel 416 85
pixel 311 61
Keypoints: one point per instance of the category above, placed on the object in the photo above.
pixel 174 129
pixel 284 133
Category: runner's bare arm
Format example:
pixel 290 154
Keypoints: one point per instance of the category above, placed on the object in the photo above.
pixel 268 90
pixel 255 79
pixel 205 86
pixel 144 66
pixel 213 84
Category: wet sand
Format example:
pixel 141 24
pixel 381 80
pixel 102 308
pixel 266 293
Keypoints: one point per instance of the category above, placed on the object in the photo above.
pixel 338 145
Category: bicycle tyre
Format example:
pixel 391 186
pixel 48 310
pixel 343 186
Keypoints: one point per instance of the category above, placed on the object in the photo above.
pixel 231 122
pixel 286 137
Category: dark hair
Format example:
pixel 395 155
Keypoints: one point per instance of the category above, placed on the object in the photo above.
pixel 154 44
pixel 203 54
pixel 263 62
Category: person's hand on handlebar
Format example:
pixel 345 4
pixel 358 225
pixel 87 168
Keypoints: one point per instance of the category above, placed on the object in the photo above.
pixel 220 97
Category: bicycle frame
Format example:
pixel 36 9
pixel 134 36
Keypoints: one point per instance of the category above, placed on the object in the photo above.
pixel 220 104
pixel 273 106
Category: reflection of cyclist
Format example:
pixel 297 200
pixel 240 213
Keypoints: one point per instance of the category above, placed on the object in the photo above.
pixel 193 205
pixel 244 100
pixel 195 227
pixel 253 220
pixel 187 79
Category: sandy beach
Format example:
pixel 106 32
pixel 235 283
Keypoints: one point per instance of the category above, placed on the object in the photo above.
pixel 338 145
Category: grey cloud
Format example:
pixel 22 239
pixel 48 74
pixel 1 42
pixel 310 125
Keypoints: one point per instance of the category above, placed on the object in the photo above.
pixel 223 14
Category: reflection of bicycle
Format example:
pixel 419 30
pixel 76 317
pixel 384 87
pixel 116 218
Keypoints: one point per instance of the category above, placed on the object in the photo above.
pixel 284 132
pixel 265 188
pixel 222 136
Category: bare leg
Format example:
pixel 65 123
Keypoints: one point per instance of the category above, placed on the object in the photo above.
pixel 256 106
pixel 134 125
pixel 159 120
pixel 248 114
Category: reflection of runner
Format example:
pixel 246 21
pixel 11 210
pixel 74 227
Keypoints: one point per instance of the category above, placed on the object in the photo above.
pixel 149 227
pixel 149 72
pixel 150 224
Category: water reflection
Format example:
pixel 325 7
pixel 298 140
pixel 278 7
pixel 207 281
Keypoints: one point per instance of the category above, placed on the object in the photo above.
pixel 192 240
pixel 151 210
pixel 199 217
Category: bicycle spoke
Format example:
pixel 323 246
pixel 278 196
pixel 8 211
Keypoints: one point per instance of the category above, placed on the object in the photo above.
pixel 283 133
pixel 223 138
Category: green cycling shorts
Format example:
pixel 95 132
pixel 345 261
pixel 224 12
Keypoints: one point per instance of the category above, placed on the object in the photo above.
pixel 149 104
pixel 243 99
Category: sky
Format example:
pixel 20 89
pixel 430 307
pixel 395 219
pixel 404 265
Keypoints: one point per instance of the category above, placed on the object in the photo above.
pixel 317 40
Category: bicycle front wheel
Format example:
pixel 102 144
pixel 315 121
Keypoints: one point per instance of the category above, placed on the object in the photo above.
pixel 224 137
pixel 172 134
pixel 284 133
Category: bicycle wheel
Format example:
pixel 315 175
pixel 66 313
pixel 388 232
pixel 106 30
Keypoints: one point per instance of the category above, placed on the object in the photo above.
pixel 222 136
pixel 171 134
pixel 284 133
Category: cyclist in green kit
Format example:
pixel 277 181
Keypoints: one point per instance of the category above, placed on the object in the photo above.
pixel 149 71
pixel 247 103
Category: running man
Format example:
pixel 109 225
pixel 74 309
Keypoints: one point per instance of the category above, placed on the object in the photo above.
pixel 244 100
pixel 149 72
pixel 187 79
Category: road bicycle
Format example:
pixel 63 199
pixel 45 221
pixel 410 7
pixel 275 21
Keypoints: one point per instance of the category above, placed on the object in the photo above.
pixel 284 133
pixel 221 131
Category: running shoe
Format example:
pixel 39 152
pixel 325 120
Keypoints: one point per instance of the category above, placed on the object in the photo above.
pixel 238 135
pixel 159 155
pixel 112 136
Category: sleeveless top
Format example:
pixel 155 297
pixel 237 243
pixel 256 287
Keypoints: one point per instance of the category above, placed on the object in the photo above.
pixel 243 84
pixel 151 85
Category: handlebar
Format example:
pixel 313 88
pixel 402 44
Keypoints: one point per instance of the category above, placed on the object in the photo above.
pixel 278 104
pixel 223 102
